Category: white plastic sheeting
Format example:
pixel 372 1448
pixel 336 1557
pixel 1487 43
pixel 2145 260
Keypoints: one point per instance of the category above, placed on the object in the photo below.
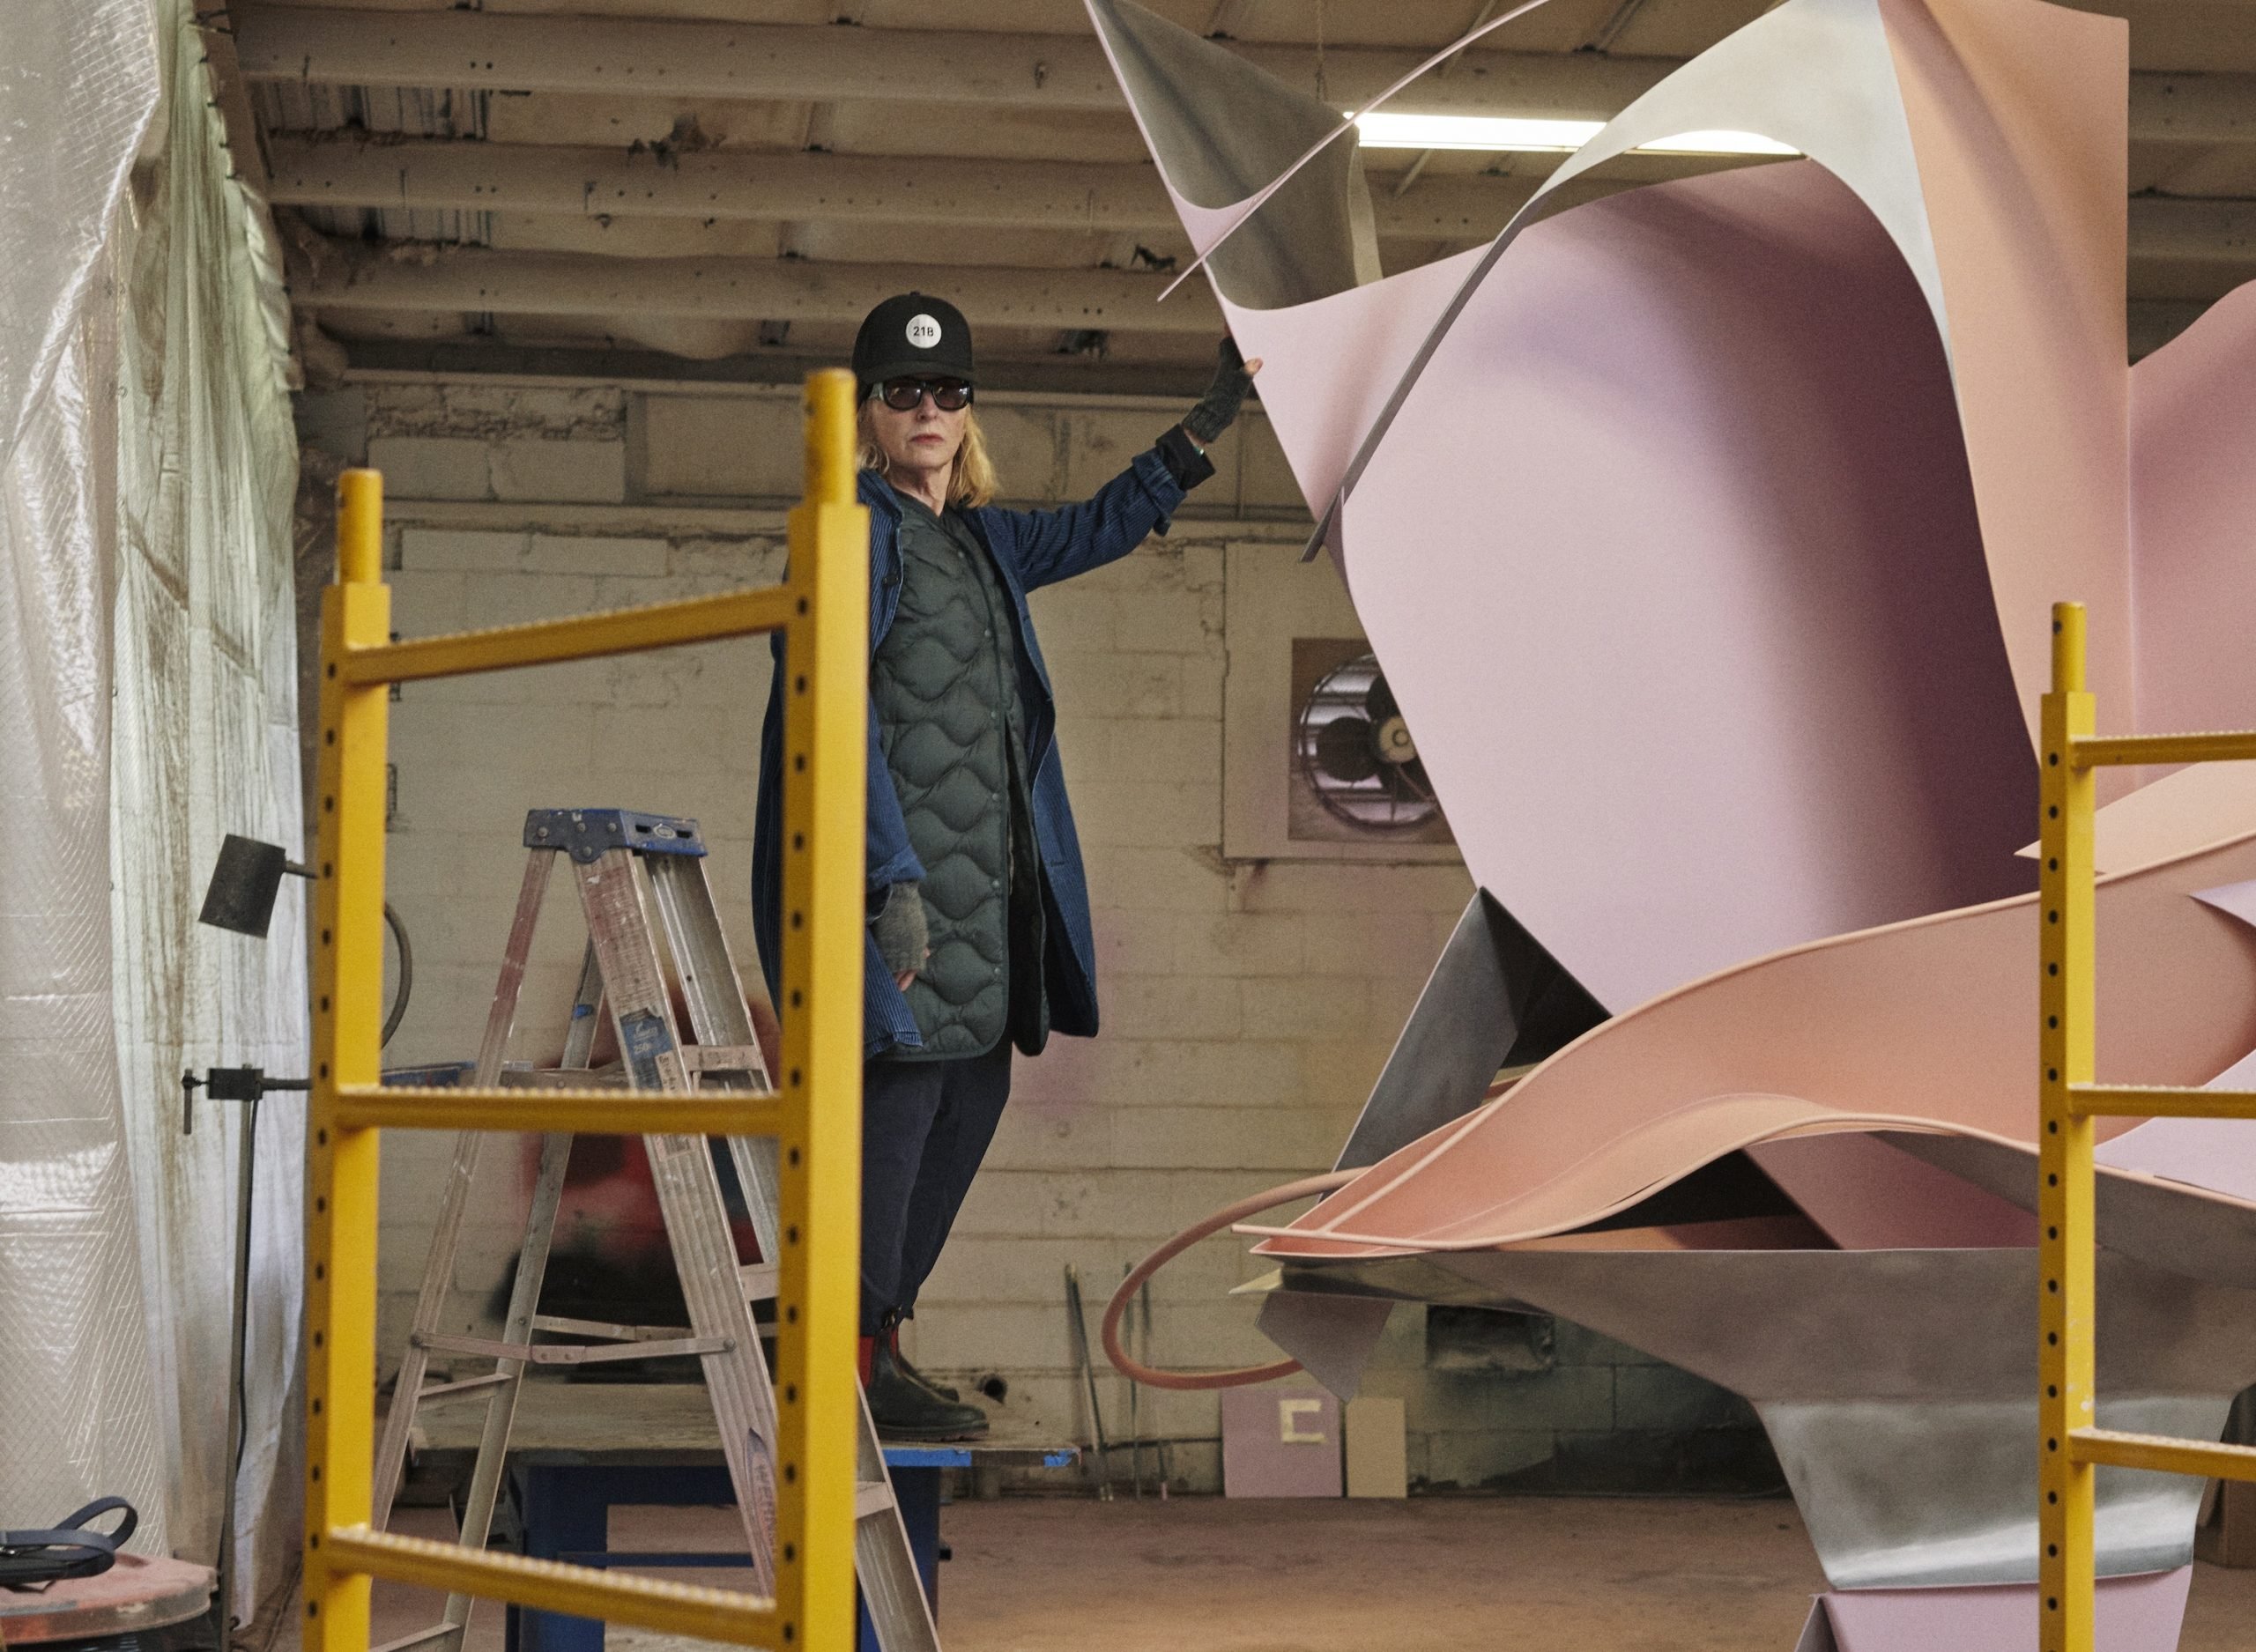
pixel 147 705
pixel 79 84
pixel 205 743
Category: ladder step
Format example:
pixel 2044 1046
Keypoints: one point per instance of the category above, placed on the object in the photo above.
pixel 759 1281
pixel 580 1111
pixel 606 1330
pixel 570 1353
pixel 2113 1449
pixel 580 1079
pixel 723 1058
pixel 872 1497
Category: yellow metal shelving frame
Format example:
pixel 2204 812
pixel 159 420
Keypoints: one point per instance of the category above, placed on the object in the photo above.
pixel 2071 1450
pixel 822 609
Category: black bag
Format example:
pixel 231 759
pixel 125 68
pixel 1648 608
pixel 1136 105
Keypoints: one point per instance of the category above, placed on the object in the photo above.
pixel 32 1559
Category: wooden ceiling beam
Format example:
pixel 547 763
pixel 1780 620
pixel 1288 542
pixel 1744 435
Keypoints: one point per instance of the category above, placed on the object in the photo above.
pixel 654 57
pixel 592 182
pixel 499 51
pixel 481 278
pixel 2182 229
pixel 441 173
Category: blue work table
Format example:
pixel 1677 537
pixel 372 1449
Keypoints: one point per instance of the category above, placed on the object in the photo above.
pixel 578 1450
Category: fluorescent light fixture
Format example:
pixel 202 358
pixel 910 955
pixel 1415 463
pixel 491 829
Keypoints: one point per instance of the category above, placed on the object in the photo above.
pixel 1383 130
pixel 1716 143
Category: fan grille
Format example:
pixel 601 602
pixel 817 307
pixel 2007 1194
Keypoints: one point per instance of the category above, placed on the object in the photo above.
pixel 1356 754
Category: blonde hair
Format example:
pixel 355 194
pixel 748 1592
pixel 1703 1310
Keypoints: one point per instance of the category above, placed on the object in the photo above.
pixel 971 484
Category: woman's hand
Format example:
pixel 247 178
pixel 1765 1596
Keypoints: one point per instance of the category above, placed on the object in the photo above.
pixel 1217 409
pixel 901 933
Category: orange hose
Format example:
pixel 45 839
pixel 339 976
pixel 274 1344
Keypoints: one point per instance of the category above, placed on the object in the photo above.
pixel 1244 1374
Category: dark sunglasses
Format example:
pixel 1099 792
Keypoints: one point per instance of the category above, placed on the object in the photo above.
pixel 901 395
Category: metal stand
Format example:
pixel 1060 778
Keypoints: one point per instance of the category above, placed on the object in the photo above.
pixel 248 1086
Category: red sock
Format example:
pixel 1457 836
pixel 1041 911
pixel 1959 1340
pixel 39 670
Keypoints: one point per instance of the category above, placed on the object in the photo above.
pixel 863 1353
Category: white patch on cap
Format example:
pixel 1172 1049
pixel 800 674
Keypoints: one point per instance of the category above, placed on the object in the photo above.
pixel 924 331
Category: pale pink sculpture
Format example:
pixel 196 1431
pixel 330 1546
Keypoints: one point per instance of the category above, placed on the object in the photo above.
pixel 1707 533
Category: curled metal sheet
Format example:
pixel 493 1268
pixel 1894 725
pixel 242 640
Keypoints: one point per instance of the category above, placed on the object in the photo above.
pixel 1494 997
pixel 1899 1387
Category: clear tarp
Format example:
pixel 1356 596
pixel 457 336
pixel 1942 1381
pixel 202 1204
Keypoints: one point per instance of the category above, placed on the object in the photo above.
pixel 204 728
pixel 79 1412
pixel 147 707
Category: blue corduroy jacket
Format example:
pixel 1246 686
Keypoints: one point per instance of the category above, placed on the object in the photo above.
pixel 1031 548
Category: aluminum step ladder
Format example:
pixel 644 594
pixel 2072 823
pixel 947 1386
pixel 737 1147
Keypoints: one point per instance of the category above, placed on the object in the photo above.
pixel 628 865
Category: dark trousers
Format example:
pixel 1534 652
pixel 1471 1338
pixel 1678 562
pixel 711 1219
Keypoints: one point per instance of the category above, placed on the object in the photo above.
pixel 925 1126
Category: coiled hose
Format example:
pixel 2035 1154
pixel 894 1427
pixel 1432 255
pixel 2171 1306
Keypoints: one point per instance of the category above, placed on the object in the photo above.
pixel 1245 1375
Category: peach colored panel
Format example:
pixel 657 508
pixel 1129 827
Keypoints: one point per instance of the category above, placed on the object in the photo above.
pixel 2019 120
pixel 1933 1021
pixel 2193 522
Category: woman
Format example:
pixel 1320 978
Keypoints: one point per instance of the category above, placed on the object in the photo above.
pixel 978 909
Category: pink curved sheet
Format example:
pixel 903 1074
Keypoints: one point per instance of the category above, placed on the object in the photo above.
pixel 1675 566
pixel 2193 522
pixel 1707 535
pixel 1931 1023
pixel 1623 439
pixel 1329 367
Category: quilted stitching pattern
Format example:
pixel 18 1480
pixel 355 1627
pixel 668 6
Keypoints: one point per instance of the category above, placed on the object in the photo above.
pixel 945 710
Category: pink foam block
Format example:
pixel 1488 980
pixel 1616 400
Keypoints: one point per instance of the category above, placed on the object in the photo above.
pixel 1281 1442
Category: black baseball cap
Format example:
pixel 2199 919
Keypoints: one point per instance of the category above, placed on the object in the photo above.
pixel 913 335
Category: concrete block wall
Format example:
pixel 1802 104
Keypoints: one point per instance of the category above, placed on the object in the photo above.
pixel 1247 1006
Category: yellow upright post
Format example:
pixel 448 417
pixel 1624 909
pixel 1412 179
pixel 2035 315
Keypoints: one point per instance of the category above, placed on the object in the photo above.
pixel 823 611
pixel 2066 1327
pixel 825 733
pixel 341 1163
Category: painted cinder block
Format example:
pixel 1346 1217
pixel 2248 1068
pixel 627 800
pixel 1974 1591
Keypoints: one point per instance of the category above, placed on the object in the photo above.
pixel 560 472
pixel 605 556
pixel 1469 1459
pixel 1175 1007
pixel 432 467
pixel 720 447
pixel 1287 1007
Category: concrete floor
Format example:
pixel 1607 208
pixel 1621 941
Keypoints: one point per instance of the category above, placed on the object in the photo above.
pixel 1432 1574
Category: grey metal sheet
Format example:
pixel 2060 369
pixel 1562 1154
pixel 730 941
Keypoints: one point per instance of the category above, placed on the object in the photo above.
pixel 1898 1387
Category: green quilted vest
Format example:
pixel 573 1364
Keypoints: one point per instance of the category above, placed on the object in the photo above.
pixel 944 689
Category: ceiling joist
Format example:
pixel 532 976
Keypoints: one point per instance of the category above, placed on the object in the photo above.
pixel 798 62
pixel 481 279
pixel 590 183
pixel 1020 193
pixel 646 57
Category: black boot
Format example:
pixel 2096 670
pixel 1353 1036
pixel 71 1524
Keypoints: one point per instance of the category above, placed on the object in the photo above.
pixel 901 1360
pixel 902 1410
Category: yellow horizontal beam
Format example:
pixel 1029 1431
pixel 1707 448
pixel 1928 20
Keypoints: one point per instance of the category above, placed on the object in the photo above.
pixel 2095 752
pixel 2160 1101
pixel 579 637
pixel 365 1107
pixel 2160 1452
pixel 577 1591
